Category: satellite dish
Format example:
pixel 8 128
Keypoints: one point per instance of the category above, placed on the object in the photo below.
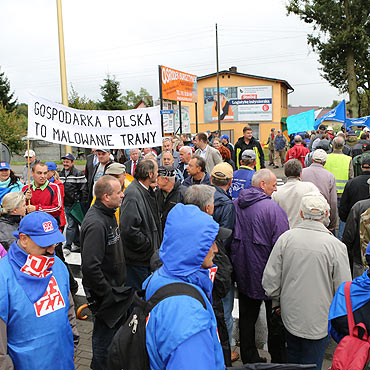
pixel 4 153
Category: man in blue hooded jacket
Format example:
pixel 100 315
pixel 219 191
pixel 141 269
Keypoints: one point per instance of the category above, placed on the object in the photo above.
pixel 180 333
pixel 37 320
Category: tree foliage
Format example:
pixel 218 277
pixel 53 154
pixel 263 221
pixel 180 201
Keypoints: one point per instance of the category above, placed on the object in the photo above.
pixel 7 98
pixel 13 127
pixel 112 97
pixel 78 102
pixel 341 38
pixel 131 99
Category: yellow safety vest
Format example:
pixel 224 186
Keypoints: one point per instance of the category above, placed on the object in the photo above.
pixel 338 165
pixel 238 157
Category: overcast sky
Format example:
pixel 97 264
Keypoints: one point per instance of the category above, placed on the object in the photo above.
pixel 129 39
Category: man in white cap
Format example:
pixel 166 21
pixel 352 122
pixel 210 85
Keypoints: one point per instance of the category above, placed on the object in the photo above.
pixel 31 160
pixel 305 268
pixel 325 182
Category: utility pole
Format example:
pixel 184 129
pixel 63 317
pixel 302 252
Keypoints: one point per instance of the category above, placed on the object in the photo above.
pixel 218 84
pixel 62 61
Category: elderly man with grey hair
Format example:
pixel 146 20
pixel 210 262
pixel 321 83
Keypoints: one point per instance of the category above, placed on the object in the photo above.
pixel 167 146
pixel 305 268
pixel 340 165
pixel 259 222
pixel 289 195
pixel 185 155
pixel 324 181
pixel 133 161
pixel 201 196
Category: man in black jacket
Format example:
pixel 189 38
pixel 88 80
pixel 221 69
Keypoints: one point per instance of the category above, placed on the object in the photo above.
pixel 171 191
pixel 103 267
pixel 351 237
pixel 74 183
pixel 140 224
pixel 247 141
pixel 356 189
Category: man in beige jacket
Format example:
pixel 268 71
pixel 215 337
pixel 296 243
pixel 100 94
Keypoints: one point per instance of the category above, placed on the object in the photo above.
pixel 305 268
pixel 211 155
pixel 289 195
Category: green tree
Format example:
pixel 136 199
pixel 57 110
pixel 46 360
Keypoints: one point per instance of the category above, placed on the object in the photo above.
pixel 13 128
pixel 341 38
pixel 364 104
pixel 77 102
pixel 131 99
pixel 6 97
pixel 112 97
pixel 22 109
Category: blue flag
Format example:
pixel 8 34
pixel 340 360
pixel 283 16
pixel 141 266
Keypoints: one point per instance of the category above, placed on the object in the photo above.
pixel 301 122
pixel 363 121
pixel 338 114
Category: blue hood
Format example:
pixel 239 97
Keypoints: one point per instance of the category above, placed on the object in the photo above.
pixel 188 235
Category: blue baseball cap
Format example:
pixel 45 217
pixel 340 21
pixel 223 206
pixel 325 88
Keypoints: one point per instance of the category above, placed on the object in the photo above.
pixel 69 156
pixel 225 137
pixel 51 166
pixel 41 228
pixel 4 166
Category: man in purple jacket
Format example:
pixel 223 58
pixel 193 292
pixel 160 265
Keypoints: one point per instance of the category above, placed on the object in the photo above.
pixel 259 223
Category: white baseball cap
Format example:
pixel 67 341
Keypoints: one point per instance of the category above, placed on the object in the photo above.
pixel 29 153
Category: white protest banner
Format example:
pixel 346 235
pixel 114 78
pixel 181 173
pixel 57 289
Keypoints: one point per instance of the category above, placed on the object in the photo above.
pixel 56 123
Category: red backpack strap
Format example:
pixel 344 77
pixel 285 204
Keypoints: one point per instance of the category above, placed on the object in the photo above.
pixel 347 294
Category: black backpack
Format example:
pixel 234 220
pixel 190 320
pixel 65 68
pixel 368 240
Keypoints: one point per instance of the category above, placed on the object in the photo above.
pixel 128 348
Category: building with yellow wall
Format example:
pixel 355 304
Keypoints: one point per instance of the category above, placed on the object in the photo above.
pixel 240 88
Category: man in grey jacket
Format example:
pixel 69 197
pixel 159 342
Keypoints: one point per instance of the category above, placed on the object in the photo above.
pixel 325 182
pixel 140 223
pixel 305 268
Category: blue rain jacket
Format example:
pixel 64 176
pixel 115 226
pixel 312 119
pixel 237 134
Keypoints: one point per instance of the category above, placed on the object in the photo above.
pixel 180 333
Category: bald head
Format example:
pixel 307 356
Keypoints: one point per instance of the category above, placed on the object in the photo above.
pixel 265 180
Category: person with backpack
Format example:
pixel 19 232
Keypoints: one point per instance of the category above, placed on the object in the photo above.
pixel 349 308
pixel 181 333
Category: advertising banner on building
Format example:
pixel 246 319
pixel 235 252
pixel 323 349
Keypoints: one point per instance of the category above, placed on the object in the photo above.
pixel 168 119
pixel 179 86
pixel 185 119
pixel 56 123
pixel 242 103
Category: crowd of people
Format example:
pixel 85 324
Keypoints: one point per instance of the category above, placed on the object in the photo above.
pixel 197 210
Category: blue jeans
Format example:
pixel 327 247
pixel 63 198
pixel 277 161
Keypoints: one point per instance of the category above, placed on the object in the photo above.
pixel 101 339
pixel 305 351
pixel 228 303
pixel 136 275
pixel 72 231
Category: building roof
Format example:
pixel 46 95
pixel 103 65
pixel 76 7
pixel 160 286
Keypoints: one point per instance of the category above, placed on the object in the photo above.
pixel 296 110
pixel 233 71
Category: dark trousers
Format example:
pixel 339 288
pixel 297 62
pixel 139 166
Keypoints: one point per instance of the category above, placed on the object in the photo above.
pixel 73 285
pixel 136 275
pixel 305 351
pixel 101 339
pixel 72 231
pixel 218 309
pixel 248 314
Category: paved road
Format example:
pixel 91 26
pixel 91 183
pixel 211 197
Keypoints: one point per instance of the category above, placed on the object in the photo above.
pixel 84 353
